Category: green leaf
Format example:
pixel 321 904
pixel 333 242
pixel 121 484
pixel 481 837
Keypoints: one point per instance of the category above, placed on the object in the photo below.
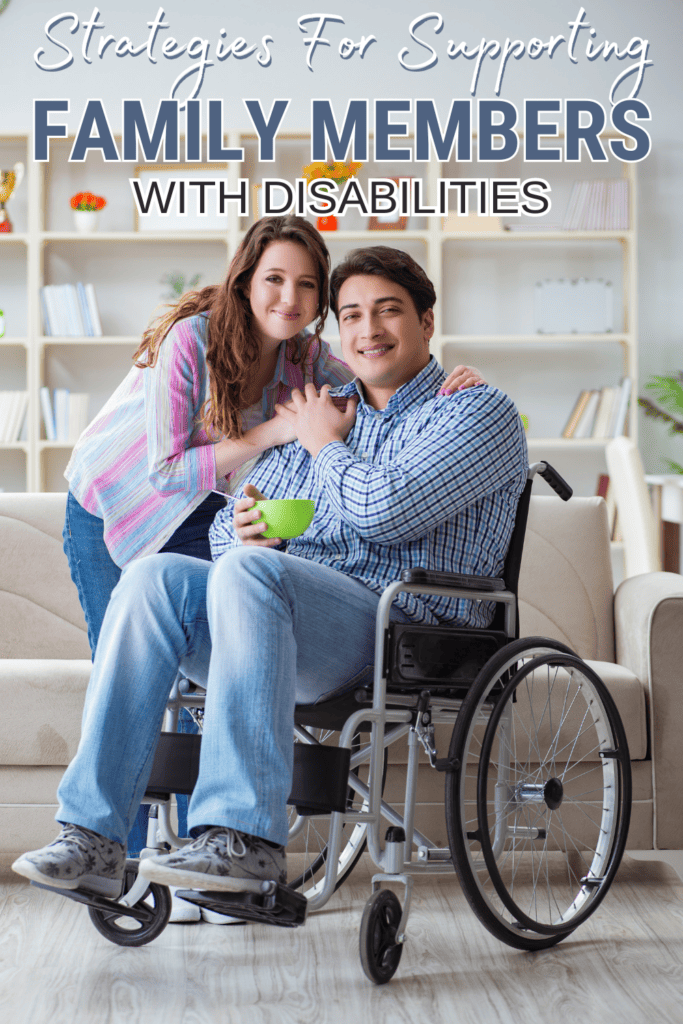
pixel 669 391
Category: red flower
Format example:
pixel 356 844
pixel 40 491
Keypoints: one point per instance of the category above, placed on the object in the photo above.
pixel 87 201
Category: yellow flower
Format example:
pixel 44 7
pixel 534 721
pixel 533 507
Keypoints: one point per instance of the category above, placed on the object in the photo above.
pixel 338 171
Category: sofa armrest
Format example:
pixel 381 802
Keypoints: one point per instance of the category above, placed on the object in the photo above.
pixel 648 619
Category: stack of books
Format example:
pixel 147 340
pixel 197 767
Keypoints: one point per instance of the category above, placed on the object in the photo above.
pixel 13 406
pixel 67 418
pixel 598 206
pixel 600 413
pixel 70 311
pixel 606 491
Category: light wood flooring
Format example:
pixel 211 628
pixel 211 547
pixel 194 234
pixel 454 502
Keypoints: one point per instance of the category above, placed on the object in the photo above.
pixel 624 966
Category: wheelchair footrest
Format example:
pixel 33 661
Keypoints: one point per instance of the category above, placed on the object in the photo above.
pixel 141 912
pixel 278 905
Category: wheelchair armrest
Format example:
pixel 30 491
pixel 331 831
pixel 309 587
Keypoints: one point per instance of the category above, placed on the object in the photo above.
pixel 436 578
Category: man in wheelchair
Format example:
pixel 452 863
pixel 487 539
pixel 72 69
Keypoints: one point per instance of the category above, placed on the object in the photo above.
pixel 403 477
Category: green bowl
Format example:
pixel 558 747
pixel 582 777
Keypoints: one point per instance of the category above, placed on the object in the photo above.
pixel 286 517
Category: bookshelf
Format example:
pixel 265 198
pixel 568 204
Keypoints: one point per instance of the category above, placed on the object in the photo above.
pixel 484 281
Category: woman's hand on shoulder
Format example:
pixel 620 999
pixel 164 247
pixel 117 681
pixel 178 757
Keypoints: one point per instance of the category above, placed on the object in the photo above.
pixel 280 429
pixel 460 378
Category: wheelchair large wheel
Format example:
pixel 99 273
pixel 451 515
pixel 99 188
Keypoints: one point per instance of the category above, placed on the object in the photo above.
pixel 154 910
pixel 308 835
pixel 538 810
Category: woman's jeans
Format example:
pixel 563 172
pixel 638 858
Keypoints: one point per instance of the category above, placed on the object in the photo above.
pixel 96 575
pixel 261 630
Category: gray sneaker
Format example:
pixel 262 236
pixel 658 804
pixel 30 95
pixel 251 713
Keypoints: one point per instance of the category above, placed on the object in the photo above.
pixel 77 859
pixel 221 858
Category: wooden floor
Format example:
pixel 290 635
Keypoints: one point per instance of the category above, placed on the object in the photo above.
pixel 624 966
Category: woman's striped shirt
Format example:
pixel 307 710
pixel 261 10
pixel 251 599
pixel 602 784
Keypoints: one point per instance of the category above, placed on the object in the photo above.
pixel 145 463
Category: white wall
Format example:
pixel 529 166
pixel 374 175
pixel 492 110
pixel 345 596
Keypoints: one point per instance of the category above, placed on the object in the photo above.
pixel 380 75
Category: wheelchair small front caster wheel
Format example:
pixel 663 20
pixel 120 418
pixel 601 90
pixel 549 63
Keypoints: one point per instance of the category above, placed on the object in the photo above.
pixel 379 952
pixel 141 923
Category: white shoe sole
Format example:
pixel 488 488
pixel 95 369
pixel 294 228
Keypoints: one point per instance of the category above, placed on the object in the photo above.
pixel 197 879
pixel 110 887
pixel 212 917
pixel 183 912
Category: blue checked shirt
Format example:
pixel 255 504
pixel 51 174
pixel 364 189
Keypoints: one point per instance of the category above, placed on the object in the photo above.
pixel 428 481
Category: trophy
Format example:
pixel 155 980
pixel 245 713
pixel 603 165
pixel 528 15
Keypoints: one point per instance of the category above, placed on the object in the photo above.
pixel 9 180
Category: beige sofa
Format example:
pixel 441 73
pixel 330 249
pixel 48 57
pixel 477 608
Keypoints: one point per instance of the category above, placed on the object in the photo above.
pixel 635 642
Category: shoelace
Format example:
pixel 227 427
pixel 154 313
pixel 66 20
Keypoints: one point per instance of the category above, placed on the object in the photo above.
pixel 218 835
pixel 78 837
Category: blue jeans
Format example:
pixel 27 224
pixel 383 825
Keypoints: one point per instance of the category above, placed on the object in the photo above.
pixel 284 630
pixel 96 574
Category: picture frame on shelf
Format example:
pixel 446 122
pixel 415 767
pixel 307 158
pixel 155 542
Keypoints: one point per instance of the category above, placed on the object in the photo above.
pixel 389 222
pixel 173 221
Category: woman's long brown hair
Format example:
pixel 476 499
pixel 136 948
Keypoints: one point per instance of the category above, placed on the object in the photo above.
pixel 232 350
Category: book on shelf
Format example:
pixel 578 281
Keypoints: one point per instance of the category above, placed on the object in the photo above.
pixel 527 224
pixel 78 414
pixel 584 428
pixel 13 407
pixel 48 415
pixel 600 412
pixel 61 407
pixel 616 535
pixel 70 311
pixel 603 486
pixel 93 310
pixel 605 412
pixel 618 424
pixel 605 490
pixel 598 205
pixel 576 413
pixel 66 415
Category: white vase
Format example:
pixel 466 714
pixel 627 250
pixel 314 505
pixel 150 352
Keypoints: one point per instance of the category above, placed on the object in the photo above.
pixel 86 221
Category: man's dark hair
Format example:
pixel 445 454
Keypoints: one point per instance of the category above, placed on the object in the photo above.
pixel 383 261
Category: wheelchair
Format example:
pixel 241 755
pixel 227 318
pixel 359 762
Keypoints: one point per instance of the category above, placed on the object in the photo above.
pixel 537 781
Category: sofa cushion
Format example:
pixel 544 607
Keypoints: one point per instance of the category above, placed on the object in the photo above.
pixel 565 583
pixel 43 706
pixel 39 608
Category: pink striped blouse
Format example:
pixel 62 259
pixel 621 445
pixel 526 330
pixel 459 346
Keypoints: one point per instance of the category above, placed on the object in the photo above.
pixel 144 463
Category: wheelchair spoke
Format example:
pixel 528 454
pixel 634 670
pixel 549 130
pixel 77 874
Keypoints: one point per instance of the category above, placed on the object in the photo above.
pixel 546 840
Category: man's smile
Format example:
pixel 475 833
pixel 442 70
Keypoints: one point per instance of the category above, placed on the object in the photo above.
pixel 374 351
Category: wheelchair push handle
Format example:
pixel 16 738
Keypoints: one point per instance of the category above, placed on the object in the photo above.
pixel 552 478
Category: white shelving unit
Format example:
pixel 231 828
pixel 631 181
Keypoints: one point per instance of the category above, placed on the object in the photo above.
pixel 484 282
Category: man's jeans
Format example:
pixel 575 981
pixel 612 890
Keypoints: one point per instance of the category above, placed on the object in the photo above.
pixel 262 630
pixel 96 574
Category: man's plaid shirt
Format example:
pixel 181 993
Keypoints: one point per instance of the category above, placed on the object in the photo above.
pixel 429 481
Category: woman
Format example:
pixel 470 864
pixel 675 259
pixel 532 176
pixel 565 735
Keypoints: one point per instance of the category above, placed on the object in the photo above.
pixel 195 410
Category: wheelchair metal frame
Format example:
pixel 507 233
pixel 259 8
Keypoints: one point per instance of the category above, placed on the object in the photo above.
pixel 405 852
pixel 394 859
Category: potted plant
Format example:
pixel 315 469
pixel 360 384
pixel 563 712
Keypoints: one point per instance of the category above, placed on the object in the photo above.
pixel 86 207
pixel 178 284
pixel 668 392
pixel 339 172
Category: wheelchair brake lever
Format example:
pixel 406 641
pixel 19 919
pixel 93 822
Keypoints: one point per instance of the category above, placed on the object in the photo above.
pixel 424 727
